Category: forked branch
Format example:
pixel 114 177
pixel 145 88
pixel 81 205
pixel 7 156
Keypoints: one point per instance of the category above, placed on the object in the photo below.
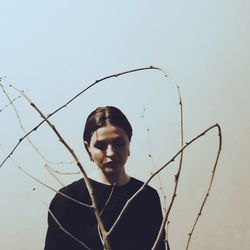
pixel 209 187
pixel 86 179
pixel 163 167
pixel 71 100
pixel 165 219
pixel 105 234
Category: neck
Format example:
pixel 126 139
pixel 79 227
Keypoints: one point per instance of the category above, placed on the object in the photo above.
pixel 110 179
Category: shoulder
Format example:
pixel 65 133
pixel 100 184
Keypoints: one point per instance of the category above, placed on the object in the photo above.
pixel 74 187
pixel 75 190
pixel 147 201
pixel 139 184
pixel 147 190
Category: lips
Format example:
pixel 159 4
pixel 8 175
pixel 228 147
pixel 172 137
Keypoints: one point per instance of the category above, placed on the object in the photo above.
pixel 112 164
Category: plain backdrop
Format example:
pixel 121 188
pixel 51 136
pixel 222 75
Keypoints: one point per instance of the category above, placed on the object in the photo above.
pixel 53 49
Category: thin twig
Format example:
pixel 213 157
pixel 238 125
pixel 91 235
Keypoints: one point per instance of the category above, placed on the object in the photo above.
pixel 109 198
pixel 71 100
pixel 211 181
pixel 29 140
pixel 53 189
pixel 45 119
pixel 53 175
pixel 86 179
pixel 158 171
pixel 60 172
pixel 105 205
pixel 177 176
pixel 46 185
pixel 11 101
pixel 209 188
pixel 150 155
pixel 23 129
pixel 66 231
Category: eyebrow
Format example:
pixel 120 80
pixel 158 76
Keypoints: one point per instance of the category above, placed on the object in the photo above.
pixel 119 138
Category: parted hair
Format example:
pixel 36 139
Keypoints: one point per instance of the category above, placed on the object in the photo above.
pixel 103 115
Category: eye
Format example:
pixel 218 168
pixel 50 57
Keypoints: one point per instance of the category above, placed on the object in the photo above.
pixel 100 145
pixel 118 144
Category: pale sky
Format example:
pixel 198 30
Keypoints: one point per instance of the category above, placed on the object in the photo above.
pixel 54 49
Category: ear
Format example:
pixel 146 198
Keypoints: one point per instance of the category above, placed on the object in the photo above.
pixel 86 145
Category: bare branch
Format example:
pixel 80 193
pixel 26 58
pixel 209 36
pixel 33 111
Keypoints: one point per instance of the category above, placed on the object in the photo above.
pixel 110 195
pixel 67 232
pixel 53 189
pixel 10 100
pixel 158 171
pixel 8 104
pixel 19 142
pixel 209 187
pixel 104 233
pixel 86 179
pixel 53 175
pixel 150 155
pixel 60 172
pixel 105 205
pixel 46 185
pixel 177 176
pixel 23 129
pixel 45 119
pixel 72 99
pixel 211 181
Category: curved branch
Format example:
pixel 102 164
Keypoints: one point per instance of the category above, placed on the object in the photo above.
pixel 67 232
pixel 158 171
pixel 86 179
pixel 47 186
pixel 177 176
pixel 71 100
pixel 51 169
pixel 209 187
pixel 24 131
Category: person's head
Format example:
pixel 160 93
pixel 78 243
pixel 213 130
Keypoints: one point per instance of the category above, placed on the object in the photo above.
pixel 103 115
pixel 107 136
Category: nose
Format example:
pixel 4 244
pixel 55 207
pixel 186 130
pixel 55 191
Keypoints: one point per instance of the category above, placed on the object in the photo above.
pixel 109 150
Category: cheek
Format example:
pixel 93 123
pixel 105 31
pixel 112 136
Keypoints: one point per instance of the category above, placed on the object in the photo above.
pixel 97 155
pixel 125 153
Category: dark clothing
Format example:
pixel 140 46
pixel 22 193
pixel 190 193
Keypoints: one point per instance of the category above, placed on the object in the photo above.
pixel 137 229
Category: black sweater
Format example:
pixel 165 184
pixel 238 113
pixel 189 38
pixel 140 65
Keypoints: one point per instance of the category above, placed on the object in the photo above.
pixel 137 229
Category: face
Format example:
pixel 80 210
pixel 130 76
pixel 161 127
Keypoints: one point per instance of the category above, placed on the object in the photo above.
pixel 109 148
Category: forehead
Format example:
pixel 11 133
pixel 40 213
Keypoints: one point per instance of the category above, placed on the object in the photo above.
pixel 108 132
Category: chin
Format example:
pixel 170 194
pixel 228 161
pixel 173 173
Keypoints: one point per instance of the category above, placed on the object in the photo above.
pixel 110 170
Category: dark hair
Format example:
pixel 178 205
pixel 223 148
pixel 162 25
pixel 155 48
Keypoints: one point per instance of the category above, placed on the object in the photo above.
pixel 99 118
